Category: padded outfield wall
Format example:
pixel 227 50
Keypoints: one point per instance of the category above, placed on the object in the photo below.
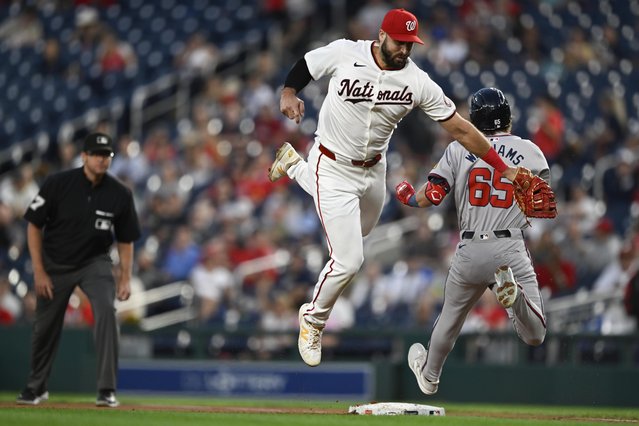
pixel 573 380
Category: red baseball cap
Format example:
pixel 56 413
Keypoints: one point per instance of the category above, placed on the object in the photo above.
pixel 401 25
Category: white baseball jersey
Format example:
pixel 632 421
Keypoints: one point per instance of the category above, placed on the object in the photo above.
pixel 365 102
pixel 484 198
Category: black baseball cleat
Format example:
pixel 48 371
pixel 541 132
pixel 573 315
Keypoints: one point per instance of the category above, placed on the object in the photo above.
pixel 107 399
pixel 29 397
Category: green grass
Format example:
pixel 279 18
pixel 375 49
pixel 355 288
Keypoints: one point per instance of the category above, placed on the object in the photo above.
pixel 184 411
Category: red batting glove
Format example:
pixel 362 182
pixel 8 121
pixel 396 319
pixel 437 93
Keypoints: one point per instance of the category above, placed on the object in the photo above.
pixel 404 191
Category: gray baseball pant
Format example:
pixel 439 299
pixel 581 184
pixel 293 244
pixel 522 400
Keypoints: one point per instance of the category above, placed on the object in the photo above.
pixel 471 272
pixel 97 282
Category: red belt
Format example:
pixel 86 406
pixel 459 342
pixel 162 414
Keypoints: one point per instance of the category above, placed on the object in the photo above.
pixel 358 163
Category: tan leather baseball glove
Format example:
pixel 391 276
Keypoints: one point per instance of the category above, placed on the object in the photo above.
pixel 534 196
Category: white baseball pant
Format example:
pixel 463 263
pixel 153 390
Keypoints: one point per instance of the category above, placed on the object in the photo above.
pixel 349 201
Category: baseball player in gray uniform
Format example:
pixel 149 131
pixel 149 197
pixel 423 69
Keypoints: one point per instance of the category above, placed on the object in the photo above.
pixel 373 85
pixel 492 251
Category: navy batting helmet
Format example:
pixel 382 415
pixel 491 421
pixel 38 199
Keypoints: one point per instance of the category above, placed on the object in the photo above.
pixel 489 109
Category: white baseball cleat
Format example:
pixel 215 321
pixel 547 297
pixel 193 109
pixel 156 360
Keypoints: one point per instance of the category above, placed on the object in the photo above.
pixel 506 290
pixel 309 341
pixel 416 361
pixel 285 157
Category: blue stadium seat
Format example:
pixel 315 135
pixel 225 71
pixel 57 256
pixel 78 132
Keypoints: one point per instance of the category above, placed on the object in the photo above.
pixel 124 25
pixel 158 24
pixel 167 5
pixel 146 12
pixel 167 37
pixel 157 30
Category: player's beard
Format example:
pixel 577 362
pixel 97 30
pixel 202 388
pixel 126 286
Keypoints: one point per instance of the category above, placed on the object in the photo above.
pixel 391 62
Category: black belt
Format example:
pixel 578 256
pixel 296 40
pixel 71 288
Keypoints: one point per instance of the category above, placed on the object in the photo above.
pixel 359 163
pixel 500 233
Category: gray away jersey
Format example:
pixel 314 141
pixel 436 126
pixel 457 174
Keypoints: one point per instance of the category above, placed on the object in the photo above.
pixel 484 198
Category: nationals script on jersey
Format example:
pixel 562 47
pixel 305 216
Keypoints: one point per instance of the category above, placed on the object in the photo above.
pixel 484 198
pixel 364 102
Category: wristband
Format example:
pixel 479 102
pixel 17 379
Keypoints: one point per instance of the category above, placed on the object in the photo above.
pixel 412 201
pixel 493 159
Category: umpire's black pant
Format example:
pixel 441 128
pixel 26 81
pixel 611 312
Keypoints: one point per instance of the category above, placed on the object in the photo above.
pixel 96 280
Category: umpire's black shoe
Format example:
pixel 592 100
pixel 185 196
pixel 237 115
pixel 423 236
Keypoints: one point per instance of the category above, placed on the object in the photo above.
pixel 107 399
pixel 29 397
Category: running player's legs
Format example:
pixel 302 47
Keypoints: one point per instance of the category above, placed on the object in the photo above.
pixel 527 313
pixel 458 301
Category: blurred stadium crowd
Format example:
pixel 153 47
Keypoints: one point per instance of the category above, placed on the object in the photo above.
pixel 570 69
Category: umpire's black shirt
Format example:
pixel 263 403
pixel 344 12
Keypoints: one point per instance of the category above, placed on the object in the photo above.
pixel 79 220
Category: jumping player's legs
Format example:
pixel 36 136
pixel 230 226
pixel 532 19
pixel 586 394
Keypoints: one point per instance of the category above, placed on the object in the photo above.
pixel 301 174
pixel 338 191
pixel 346 251
pixel 99 286
pixel 372 200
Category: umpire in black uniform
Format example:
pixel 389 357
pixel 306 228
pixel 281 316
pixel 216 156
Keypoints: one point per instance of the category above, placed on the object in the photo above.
pixel 71 227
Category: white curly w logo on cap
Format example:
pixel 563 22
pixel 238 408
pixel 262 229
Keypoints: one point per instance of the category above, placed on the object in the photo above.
pixel 102 140
pixel 411 25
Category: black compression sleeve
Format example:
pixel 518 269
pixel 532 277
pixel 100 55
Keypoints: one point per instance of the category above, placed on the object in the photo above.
pixel 299 76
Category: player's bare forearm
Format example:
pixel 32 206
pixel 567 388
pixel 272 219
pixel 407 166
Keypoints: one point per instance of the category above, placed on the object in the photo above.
pixel 406 194
pixel 467 135
pixel 430 194
pixel 475 142
pixel 420 197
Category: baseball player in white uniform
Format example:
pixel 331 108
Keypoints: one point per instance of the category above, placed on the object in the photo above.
pixel 373 85
pixel 492 251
